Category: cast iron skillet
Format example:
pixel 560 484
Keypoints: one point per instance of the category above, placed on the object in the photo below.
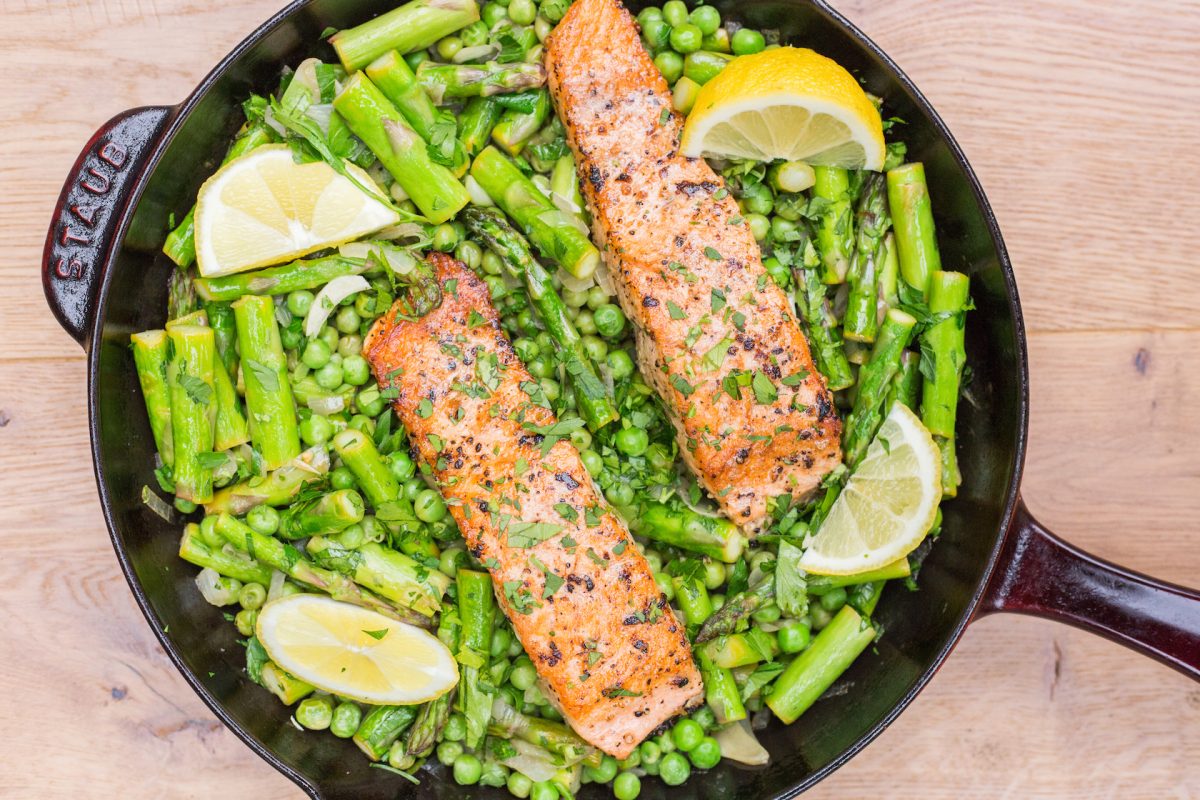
pixel 105 279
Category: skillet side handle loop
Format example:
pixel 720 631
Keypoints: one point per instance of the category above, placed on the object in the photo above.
pixel 1041 575
pixel 89 206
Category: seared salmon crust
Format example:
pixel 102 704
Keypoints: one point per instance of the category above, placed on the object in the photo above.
pixel 716 337
pixel 581 597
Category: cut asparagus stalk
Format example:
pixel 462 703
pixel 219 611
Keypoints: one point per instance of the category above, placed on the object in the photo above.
pixel 433 188
pixel 835 229
pixel 411 27
pixel 269 401
pixel 720 690
pixel 861 320
pixel 949 295
pixel 515 128
pixel 476 611
pixel 194 550
pixel 193 409
pixel 278 488
pixel 816 314
pixel 326 514
pixel 220 319
pixel 590 395
pixel 477 122
pixel 386 572
pixel 874 380
pixel 284 685
pixel 391 73
pixel 912 215
pixel 906 385
pixel 679 526
pixel 555 234
pixel 382 726
pixel 286 278
pixel 456 81
pixel 150 349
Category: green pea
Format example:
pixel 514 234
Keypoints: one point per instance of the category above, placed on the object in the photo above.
pixel 717 41
pixel 595 347
pixel 526 348
pixel 543 790
pixel 553 10
pixel 592 462
pixel 620 494
pixel 757 199
pixel 706 18
pixel 596 297
pixel 299 302
pixel 714 574
pixel 474 35
pixel 448 753
pixel 398 756
pixel 649 13
pixel 759 226
pixel 290 337
pixel 674 769
pixel 329 335
pixel 834 599
pixel 522 12
pixel 574 298
pixel 352 537
pixel 518 785
pixel 620 364
pixel 686 734
pixel 346 719
pixel 494 774
pixel 355 370
pixel 445 238
pixel 656 33
pixel 707 754
pixel 315 713
pixel 342 478
pixel 675 13
pixel 523 675
pixel 604 772
pixel 632 761
pixel 469 253
pixel 415 60
pixel 316 430
pixel 370 401
pixel 768 613
pixel 539 368
pixel 413 487
pixel 525 320
pixel 609 320
pixel 244 621
pixel 670 64
pixel 545 342
pixel 686 38
pixel 429 506
pixel 348 320
pixel 659 457
pixel 263 519
pixel 581 439
pixel 665 585
pixel 651 753
pixel 747 42
pixel 794 636
pixel 585 321
pixel 784 230
pixel 448 47
pixel 551 389
pixel 819 616
pixel 252 596
pixel 316 354
pixel 501 641
pixel 632 441
pixel 451 559
pixel 778 272
pixel 467 768
pixel 760 558
pixel 627 785
pixel 705 716
pixel 350 345
pixel 329 376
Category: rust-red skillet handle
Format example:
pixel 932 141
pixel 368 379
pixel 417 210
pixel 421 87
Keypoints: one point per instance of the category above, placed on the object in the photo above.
pixel 1040 574
pixel 92 199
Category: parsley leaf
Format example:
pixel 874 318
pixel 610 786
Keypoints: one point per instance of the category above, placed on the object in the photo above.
pixel 791 588
pixel 267 377
pixel 675 311
pixel 197 390
pixel 765 392
pixel 527 534
pixel 379 634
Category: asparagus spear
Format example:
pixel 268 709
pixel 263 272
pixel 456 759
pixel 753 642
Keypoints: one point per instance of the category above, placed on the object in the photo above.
pixel 564 181
pixel 220 319
pixel 720 690
pixel 230 428
pixel 815 669
pixel 693 600
pixel 477 122
pixel 382 726
pixel 835 229
pixel 411 27
pixel 358 453
pixel 861 320
pixel 889 277
pixel 272 409
pixel 291 562
pixel 278 488
pixel 476 611
pixel 677 525
pixel 194 550
pixel 590 395
pixel 912 214
pixel 384 571
pixel 193 410
pixel 949 294
pixel 874 380
pixel 736 611
pixel 556 235
pixel 556 737
pixel 180 245
pixel 303 274
pixel 425 731
pixel 823 584
pixel 906 385
pixel 455 81
pixel 741 649
pixel 391 73
pixel 373 118
pixel 150 349
pixel 284 685
pixel 516 127
pixel 322 515
pixel 820 325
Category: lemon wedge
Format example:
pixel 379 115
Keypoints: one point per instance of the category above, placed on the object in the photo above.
pixel 354 652
pixel 264 208
pixel 786 103
pixel 887 506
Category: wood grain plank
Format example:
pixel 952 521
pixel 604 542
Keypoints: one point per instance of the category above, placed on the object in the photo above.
pixel 1076 117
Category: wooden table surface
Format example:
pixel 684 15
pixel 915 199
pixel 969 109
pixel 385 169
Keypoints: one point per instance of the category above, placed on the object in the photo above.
pixel 1080 117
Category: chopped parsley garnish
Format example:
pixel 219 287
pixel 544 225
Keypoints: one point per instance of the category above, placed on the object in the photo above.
pixel 682 386
pixel 675 311
pixel 425 409
pixel 553 581
pixel 765 392
pixel 527 534
pixel 379 634
pixel 712 253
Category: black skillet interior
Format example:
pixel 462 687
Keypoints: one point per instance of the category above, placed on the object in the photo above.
pixel 920 627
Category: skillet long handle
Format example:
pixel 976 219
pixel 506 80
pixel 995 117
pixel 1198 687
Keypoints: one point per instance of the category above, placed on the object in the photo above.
pixel 1042 575
pixel 89 209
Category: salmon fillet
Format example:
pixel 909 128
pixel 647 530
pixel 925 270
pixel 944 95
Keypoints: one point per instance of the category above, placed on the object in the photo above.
pixel 581 597
pixel 716 337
